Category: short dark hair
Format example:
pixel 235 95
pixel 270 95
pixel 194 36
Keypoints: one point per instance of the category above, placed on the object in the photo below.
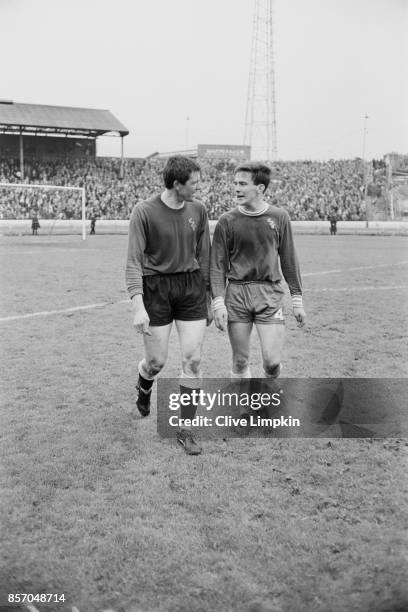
pixel 261 173
pixel 179 168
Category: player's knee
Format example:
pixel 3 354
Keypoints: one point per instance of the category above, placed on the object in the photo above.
pixel 240 363
pixel 191 366
pixel 154 365
pixel 272 370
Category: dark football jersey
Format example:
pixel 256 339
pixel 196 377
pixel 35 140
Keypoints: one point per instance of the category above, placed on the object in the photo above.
pixel 250 248
pixel 164 240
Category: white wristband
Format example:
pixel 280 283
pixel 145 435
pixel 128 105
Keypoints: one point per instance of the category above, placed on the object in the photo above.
pixel 297 301
pixel 217 303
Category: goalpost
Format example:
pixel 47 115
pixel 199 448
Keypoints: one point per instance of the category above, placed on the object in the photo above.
pixel 29 186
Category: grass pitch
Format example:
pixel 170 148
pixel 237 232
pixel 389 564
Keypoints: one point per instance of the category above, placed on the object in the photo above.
pixel 96 506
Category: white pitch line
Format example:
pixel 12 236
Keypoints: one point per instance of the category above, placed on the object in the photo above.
pixel 46 252
pixel 46 313
pixel 31 608
pixel 339 270
pixel 366 288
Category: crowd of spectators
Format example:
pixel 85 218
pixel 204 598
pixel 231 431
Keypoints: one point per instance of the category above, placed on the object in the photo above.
pixel 308 190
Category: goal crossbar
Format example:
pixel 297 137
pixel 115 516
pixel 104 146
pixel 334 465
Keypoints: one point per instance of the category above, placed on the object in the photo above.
pixel 63 187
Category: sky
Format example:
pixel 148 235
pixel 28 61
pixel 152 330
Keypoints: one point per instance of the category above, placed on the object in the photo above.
pixel 175 73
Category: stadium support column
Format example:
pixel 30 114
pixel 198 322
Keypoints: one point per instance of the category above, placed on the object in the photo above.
pixel 365 173
pixel 21 154
pixel 121 157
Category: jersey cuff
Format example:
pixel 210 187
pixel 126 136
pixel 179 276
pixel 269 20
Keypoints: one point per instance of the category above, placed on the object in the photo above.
pixel 297 301
pixel 133 294
pixel 217 303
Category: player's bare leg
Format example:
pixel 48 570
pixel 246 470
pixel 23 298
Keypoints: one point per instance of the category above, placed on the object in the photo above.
pixel 239 335
pixel 156 345
pixel 191 337
pixel 272 338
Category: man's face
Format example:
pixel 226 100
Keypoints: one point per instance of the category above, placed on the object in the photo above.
pixel 186 192
pixel 246 192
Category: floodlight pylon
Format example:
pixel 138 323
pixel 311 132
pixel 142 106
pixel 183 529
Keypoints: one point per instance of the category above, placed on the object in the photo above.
pixel 260 114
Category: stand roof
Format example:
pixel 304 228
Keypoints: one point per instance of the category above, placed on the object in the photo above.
pixel 39 118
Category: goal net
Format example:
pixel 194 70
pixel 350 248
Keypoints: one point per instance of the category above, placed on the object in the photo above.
pixel 59 209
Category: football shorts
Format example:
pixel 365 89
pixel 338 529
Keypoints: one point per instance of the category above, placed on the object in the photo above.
pixel 257 302
pixel 180 296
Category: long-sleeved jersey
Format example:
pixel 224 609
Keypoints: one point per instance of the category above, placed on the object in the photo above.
pixel 249 247
pixel 164 240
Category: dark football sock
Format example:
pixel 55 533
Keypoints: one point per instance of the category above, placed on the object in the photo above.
pixel 189 411
pixel 145 384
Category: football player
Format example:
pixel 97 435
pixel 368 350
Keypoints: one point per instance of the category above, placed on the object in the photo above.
pixel 167 276
pixel 250 243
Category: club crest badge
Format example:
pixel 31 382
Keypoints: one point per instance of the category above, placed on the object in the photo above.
pixel 192 223
pixel 271 224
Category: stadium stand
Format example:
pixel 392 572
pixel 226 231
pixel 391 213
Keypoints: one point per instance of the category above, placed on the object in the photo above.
pixel 33 151
pixel 309 190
